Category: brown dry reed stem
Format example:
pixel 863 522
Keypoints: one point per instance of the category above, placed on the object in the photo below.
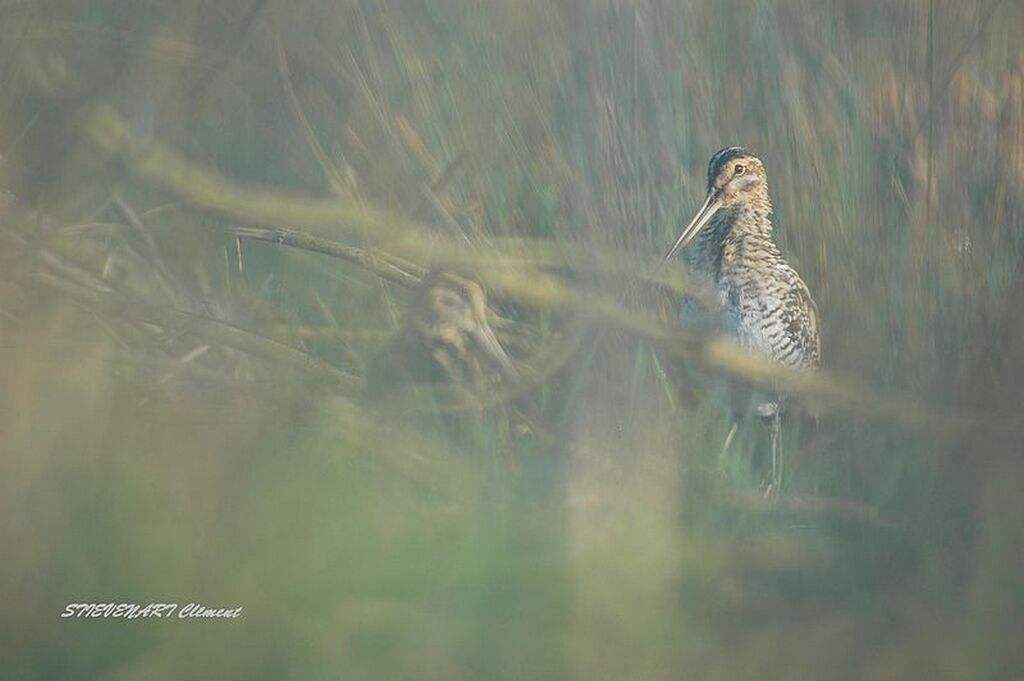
pixel 334 178
pixel 528 287
pixel 152 250
pixel 551 358
pixel 55 275
pixel 840 509
pixel 364 258
pixel 156 163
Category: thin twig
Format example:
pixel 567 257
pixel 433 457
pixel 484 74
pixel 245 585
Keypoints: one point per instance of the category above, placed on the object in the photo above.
pixel 243 29
pixel 333 176
pixel 527 286
pixel 364 258
pixel 931 113
pixel 841 509
pixel 954 64
pixel 451 398
pixel 149 244
pixel 211 330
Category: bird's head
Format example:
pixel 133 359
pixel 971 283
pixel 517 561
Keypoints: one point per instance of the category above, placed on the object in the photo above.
pixel 735 178
pixel 451 310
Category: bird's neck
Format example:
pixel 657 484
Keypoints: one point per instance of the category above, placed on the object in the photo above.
pixel 730 234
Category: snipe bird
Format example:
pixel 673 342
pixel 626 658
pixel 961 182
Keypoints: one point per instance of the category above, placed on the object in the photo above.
pixel 445 338
pixel 762 303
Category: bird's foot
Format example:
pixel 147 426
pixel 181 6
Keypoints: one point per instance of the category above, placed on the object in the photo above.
pixel 772 491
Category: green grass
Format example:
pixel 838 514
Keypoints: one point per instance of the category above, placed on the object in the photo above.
pixel 611 542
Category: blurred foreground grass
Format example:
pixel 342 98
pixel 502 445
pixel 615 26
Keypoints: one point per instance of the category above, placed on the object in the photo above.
pixel 180 421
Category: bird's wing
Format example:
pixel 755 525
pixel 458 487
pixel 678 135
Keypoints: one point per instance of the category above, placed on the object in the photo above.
pixel 778 317
pixel 808 311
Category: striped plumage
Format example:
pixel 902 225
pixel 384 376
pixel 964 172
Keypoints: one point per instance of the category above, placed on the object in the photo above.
pixel 445 339
pixel 764 305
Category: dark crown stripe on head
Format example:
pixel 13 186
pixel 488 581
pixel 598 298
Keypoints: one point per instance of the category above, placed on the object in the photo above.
pixel 720 158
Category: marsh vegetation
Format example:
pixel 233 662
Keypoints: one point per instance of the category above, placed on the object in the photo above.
pixel 216 217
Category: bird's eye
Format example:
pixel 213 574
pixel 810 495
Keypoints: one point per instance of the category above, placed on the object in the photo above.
pixel 739 169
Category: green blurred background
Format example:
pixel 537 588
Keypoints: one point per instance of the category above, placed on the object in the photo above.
pixel 147 454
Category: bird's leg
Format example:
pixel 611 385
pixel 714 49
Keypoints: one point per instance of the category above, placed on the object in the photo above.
pixel 728 440
pixel 775 486
pixel 818 459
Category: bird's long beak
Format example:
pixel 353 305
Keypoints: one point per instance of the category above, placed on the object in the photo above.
pixel 706 212
pixel 483 336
